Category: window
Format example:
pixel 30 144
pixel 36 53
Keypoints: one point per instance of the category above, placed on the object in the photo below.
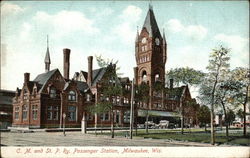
pixel 144 76
pixel 88 97
pixel 126 116
pixel 25 94
pixel 53 112
pixel 25 112
pixel 157 77
pixel 34 112
pixel 125 101
pixel 72 96
pixel 52 92
pixel 104 117
pixel 144 48
pixel 118 99
pixel 49 113
pixel 71 113
pixel 16 113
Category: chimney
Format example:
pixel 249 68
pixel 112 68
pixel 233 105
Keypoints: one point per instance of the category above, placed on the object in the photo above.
pixel 26 77
pixel 66 64
pixel 171 83
pixel 90 70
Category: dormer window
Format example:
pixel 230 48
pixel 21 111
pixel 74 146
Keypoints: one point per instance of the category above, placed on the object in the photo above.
pixel 72 96
pixel 52 92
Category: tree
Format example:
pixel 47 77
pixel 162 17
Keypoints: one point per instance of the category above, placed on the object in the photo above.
pixel 204 115
pixel 110 89
pixel 241 77
pixel 185 76
pixel 240 113
pixel 230 116
pixel 102 62
pixel 217 68
pixel 142 95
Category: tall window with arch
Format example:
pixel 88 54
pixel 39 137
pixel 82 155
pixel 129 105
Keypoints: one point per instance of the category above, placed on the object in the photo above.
pixel 72 96
pixel 144 76
pixel 157 77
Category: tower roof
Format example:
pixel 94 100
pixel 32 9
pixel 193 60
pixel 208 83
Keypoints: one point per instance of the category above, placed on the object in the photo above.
pixel 47 56
pixel 150 23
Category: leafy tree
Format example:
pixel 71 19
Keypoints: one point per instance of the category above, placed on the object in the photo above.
pixel 204 115
pixel 185 76
pixel 142 95
pixel 110 88
pixel 230 116
pixel 241 77
pixel 224 98
pixel 217 69
pixel 240 113
pixel 102 62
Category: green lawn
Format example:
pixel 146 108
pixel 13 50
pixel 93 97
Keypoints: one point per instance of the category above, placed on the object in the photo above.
pixel 192 135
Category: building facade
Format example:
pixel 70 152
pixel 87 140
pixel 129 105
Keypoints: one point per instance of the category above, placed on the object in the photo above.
pixel 6 108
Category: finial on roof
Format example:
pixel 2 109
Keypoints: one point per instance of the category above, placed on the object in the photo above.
pixel 47 57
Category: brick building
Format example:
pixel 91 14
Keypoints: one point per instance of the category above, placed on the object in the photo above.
pixel 42 102
pixel 6 108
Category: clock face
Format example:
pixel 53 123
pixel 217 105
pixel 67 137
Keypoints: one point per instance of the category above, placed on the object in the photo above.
pixel 157 41
pixel 144 40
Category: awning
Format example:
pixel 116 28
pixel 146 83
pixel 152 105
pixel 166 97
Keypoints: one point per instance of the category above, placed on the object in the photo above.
pixel 143 113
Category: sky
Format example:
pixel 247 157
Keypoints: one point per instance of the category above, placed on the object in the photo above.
pixel 108 28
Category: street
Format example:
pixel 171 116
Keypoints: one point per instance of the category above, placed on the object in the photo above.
pixel 79 139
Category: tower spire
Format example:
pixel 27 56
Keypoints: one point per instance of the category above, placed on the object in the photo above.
pixel 47 57
pixel 150 23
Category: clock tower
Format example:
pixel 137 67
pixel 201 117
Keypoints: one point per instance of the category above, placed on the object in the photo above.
pixel 150 53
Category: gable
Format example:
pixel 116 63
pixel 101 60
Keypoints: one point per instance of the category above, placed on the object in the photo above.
pixel 53 77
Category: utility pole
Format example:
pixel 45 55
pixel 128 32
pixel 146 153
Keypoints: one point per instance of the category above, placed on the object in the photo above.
pixel 132 111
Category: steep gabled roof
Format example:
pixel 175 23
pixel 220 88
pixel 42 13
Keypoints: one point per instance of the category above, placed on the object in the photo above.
pixel 85 74
pixel 43 78
pixel 176 93
pixel 151 25
pixel 97 75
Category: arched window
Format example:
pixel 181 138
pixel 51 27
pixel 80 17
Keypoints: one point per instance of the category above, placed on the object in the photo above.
pixel 157 77
pixel 72 96
pixel 144 76
pixel 52 92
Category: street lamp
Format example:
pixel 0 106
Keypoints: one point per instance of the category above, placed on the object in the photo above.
pixel 64 116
